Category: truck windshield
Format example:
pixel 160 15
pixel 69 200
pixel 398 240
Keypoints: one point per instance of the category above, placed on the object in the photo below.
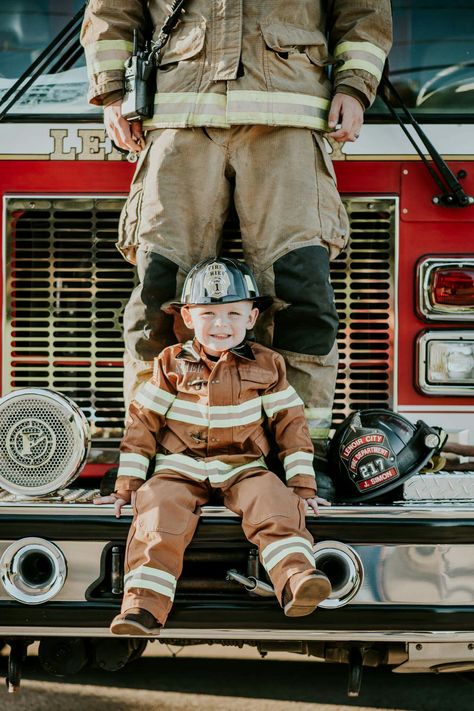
pixel 431 63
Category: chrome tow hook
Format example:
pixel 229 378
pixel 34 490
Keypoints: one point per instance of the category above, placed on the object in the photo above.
pixel 251 584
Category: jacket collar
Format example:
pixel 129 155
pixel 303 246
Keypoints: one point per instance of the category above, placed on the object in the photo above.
pixel 192 351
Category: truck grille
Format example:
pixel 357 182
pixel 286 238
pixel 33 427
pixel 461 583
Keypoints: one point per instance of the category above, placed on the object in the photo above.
pixel 67 287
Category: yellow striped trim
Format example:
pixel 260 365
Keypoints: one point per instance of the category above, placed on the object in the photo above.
pixel 352 59
pixel 154 398
pixel 347 47
pixel 283 400
pixel 159 581
pixel 216 471
pixel 275 552
pixel 275 97
pixel 298 463
pixel 360 64
pixel 217 416
pixel 117 52
pixel 186 109
pixel 132 464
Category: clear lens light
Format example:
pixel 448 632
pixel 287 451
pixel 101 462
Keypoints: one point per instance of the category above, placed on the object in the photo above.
pixel 450 361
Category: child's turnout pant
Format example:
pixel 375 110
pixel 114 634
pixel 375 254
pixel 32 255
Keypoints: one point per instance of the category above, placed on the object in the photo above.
pixel 166 515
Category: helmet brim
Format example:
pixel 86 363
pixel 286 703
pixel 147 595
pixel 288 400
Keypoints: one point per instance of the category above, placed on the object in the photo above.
pixel 262 303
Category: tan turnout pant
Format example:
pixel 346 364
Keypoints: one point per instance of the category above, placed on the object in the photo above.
pixel 292 222
pixel 167 510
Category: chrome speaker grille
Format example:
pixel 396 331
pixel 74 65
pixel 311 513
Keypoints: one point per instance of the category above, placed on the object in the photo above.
pixel 67 287
pixel 44 441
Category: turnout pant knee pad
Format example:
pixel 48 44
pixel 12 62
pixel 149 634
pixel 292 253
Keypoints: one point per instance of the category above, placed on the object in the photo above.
pixel 309 323
pixel 147 328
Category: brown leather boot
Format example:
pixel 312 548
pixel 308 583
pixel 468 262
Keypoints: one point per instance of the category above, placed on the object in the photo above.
pixel 304 591
pixel 135 621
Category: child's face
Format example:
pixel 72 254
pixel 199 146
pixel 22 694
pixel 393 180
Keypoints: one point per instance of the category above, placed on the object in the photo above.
pixel 220 327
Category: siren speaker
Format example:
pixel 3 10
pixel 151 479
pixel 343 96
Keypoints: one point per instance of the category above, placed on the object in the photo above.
pixel 44 441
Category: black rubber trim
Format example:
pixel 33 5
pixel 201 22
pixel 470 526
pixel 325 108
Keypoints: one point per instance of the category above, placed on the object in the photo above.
pixel 226 533
pixel 250 615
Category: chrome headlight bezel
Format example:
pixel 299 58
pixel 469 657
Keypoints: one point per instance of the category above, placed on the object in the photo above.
pixel 427 308
pixel 424 383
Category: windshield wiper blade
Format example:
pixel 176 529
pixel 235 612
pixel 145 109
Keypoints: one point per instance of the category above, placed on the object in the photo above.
pixel 452 193
pixel 66 40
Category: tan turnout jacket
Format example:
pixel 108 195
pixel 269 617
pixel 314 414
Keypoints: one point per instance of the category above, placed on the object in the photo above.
pixel 232 62
pixel 207 420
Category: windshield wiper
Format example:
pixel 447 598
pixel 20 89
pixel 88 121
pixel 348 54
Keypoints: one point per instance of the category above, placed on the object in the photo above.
pixel 452 193
pixel 64 50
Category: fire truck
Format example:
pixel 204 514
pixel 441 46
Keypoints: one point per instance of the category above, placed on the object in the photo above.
pixel 401 571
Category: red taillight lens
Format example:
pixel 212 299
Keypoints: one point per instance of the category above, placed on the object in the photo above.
pixel 453 287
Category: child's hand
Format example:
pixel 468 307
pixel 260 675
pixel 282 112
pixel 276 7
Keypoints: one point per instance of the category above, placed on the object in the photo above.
pixel 312 504
pixel 114 499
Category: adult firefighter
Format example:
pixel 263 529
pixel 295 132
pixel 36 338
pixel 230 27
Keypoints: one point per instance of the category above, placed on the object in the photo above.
pixel 243 95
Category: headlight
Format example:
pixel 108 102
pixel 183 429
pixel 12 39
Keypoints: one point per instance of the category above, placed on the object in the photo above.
pixel 446 362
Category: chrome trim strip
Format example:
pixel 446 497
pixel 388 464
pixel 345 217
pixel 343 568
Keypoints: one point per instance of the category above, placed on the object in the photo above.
pixel 437 312
pixel 422 342
pixel 401 511
pixel 252 634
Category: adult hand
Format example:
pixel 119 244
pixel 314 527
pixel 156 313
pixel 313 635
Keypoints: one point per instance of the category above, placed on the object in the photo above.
pixel 128 136
pixel 349 114
pixel 312 504
pixel 114 499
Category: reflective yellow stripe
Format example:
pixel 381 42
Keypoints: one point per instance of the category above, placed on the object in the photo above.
pixel 144 576
pixel 215 470
pixel 348 47
pixel 298 463
pixel 132 464
pixel 216 415
pixel 360 64
pixel 283 400
pixel 360 55
pixel 154 398
pixel 276 97
pixel 319 421
pixel 275 552
pixel 107 55
pixel 183 109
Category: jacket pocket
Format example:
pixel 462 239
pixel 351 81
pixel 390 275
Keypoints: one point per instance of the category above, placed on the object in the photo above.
pixel 182 62
pixel 294 59
pixel 289 40
pixel 172 443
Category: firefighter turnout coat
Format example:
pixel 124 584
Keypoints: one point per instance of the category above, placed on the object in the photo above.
pixel 206 420
pixel 234 62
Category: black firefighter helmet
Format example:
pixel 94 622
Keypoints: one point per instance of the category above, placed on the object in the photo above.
pixel 221 280
pixel 374 451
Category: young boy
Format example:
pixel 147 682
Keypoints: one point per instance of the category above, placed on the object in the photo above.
pixel 202 415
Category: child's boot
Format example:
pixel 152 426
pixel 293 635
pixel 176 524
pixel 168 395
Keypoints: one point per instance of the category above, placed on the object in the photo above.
pixel 135 621
pixel 304 591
